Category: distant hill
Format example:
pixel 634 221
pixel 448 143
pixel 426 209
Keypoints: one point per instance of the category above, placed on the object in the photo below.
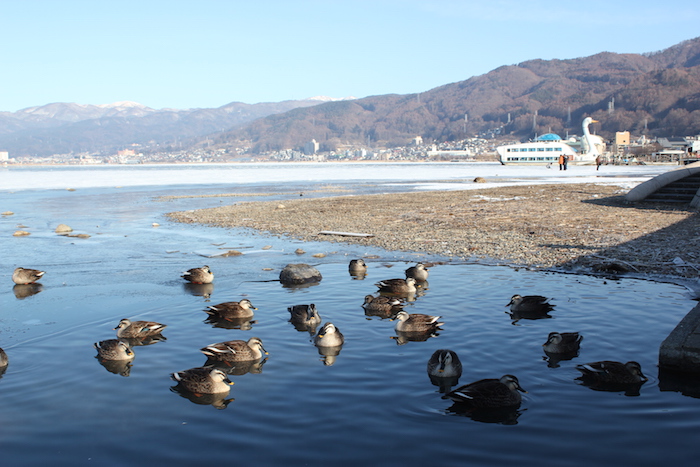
pixel 62 128
pixel 657 94
pixel 623 91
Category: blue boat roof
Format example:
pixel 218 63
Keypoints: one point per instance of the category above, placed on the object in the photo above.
pixel 549 137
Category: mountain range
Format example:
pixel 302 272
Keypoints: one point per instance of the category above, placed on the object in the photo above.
pixel 657 94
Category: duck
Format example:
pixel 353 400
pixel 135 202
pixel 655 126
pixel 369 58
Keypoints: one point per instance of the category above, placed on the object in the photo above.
pixel 609 372
pixel 419 272
pixel 562 342
pixel 397 286
pixel 304 315
pixel 201 275
pixel 235 351
pixel 114 349
pixel 138 329
pixel 357 267
pixel 416 322
pixel 492 393
pixel 230 310
pixel 536 304
pixel 381 305
pixel 22 276
pixel 202 380
pixel 329 336
pixel 3 359
pixel 445 363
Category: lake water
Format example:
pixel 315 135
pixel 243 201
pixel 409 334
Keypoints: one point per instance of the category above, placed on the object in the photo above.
pixel 374 405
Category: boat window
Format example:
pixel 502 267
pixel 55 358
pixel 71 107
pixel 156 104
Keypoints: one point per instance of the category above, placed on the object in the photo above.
pixel 532 149
pixel 550 149
pixel 540 149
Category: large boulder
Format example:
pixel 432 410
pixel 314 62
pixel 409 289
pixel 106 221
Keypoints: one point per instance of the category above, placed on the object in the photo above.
pixel 297 274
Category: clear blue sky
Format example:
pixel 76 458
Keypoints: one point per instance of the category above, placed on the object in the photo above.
pixel 207 53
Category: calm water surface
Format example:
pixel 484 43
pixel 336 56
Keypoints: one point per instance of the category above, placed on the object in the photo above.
pixel 374 405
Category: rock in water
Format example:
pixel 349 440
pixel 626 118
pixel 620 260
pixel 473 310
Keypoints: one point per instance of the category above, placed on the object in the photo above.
pixel 296 274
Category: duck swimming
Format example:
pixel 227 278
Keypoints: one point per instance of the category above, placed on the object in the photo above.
pixel 235 351
pixel 419 272
pixel 138 329
pixel 304 315
pixel 530 304
pixel 445 363
pixel 232 310
pixel 489 393
pixel 562 342
pixel 386 307
pixel 201 275
pixel 329 336
pixel 203 380
pixel 357 267
pixel 613 373
pixel 416 322
pixel 114 349
pixel 397 286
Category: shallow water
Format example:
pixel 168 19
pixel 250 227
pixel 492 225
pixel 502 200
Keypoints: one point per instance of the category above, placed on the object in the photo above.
pixel 375 403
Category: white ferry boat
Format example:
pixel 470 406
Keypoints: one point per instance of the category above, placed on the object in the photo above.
pixel 548 148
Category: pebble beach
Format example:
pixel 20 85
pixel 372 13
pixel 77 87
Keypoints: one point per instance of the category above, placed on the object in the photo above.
pixel 562 226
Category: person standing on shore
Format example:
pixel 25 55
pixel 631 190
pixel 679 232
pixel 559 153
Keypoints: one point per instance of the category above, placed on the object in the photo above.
pixel 598 161
pixel 561 162
pixel 566 161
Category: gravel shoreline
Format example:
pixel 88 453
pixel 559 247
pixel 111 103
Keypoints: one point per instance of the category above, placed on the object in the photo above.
pixel 580 227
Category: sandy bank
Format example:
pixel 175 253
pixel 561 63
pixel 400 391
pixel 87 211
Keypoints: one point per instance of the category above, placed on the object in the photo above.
pixel 567 226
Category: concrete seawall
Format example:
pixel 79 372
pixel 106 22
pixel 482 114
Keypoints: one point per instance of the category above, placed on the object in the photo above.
pixel 680 351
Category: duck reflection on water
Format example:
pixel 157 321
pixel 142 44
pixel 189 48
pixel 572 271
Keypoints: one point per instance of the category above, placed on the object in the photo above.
pixel 329 354
pixel 199 290
pixel 244 324
pixel 23 291
pixel 218 401
pixel 118 367
pixel 305 318
pixel 502 416
pixel 237 368
pixel 444 369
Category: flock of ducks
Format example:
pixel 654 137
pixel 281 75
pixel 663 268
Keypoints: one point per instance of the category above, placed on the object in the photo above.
pixel 444 366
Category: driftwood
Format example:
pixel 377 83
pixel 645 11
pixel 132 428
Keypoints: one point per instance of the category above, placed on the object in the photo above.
pixel 345 234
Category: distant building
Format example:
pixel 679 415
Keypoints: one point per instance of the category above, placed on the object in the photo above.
pixel 311 147
pixel 4 156
pixel 622 138
pixel 622 142
pixel 418 140
pixel 126 152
